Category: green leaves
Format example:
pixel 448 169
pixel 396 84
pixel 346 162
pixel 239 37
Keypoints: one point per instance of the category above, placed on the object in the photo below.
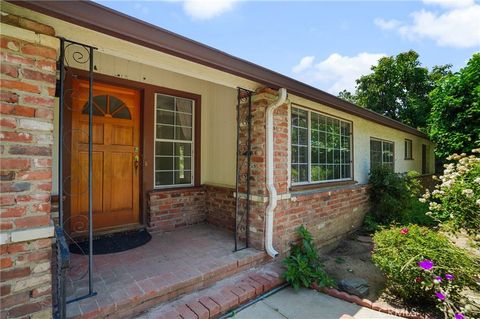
pixel 303 265
pixel 454 120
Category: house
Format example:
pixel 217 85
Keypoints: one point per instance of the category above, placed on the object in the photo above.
pixel 180 134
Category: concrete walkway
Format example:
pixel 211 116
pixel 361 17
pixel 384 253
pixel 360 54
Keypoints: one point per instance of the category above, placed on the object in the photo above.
pixel 306 303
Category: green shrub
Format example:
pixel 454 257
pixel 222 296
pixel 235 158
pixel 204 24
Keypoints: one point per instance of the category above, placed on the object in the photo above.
pixel 303 265
pixel 455 202
pixel 389 194
pixel 398 251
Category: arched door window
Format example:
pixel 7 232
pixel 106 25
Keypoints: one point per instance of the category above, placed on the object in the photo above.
pixel 109 106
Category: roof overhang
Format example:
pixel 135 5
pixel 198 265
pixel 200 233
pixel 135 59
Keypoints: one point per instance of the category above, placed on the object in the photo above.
pixel 94 16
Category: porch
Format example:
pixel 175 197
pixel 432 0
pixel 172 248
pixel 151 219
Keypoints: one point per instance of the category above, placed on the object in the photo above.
pixel 171 264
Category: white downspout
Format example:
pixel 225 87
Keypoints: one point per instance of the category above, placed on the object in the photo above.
pixel 272 192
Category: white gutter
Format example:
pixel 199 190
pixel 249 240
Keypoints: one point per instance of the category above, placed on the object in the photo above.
pixel 272 192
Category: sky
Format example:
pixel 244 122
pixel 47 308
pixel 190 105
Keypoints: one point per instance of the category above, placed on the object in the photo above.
pixel 327 44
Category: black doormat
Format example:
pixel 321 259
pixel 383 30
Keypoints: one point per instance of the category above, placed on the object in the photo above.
pixel 113 243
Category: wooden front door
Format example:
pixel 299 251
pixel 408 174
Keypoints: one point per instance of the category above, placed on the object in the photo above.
pixel 115 157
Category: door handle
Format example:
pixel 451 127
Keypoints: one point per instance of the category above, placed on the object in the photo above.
pixel 136 160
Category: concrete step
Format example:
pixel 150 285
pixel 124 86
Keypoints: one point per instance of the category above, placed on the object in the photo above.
pixel 224 296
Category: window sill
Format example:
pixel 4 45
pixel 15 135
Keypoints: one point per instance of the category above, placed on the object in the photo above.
pixel 299 188
pixel 176 188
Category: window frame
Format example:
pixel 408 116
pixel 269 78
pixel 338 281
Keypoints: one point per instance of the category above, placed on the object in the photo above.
pixel 382 141
pixel 410 142
pixel 193 142
pixel 309 146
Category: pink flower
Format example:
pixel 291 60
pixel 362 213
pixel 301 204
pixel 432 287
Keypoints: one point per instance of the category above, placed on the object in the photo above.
pixel 459 316
pixel 440 296
pixel 426 264
pixel 404 231
pixel 449 277
pixel 437 279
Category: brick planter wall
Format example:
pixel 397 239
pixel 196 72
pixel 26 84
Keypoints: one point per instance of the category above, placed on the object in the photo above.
pixel 170 209
pixel 28 55
pixel 220 204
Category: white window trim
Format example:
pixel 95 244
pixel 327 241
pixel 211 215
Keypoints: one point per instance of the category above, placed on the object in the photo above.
pixel 382 141
pixel 309 182
pixel 408 141
pixel 192 142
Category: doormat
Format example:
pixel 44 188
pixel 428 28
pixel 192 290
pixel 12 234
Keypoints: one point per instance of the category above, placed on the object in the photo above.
pixel 113 243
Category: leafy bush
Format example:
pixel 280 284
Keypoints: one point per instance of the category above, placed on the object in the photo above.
pixel 455 202
pixel 399 253
pixel 303 265
pixel 388 194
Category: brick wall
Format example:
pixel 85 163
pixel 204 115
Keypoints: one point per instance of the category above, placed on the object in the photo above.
pixel 28 66
pixel 220 205
pixel 328 214
pixel 170 209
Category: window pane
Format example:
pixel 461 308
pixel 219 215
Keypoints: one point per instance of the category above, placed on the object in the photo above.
pixel 295 135
pixel 164 148
pixel 165 117
pixel 322 123
pixel 184 119
pixel 183 133
pixel 303 173
pixel 122 113
pixel 294 173
pixel 165 131
pixel 163 178
pixel 315 121
pixel 303 155
pixel 183 149
pixel 183 177
pixel 302 118
pixel 323 155
pixel 294 154
pixel 164 163
pixel 184 105
pixel 183 163
pixel 336 171
pixel 315 173
pixel 315 155
pixel 165 102
pixel 303 136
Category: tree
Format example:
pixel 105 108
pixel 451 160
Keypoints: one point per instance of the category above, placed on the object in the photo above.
pixel 347 96
pixel 454 122
pixel 398 88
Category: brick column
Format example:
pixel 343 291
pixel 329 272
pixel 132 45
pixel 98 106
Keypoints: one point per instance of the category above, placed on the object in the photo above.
pixel 259 192
pixel 28 66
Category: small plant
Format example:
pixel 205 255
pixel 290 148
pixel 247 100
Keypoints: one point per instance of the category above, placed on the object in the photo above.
pixel 455 202
pixel 303 265
pixel 400 251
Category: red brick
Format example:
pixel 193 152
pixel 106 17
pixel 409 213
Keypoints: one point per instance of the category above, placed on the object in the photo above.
pixel 9 70
pixel 15 137
pixel 14 273
pixel 32 221
pixel 267 285
pixel 225 300
pixel 17 110
pixel 39 256
pixel 14 163
pixel 45 187
pixel 199 309
pixel 38 100
pixel 44 114
pixel 14 58
pixel 258 287
pixel 16 299
pixel 5 290
pixel 25 309
pixel 185 312
pixel 35 175
pixel 8 97
pixel 30 150
pixel 37 292
pixel 46 65
pixel 15 248
pixel 38 50
pixel 15 187
pixel 35 26
pixel 6 262
pixel 17 211
pixel 38 76
pixel 6 200
pixel 6 122
pixel 9 43
pixel 33 198
pixel 42 162
pixel 212 306
pixel 20 86
pixel 241 294
pixel 6 225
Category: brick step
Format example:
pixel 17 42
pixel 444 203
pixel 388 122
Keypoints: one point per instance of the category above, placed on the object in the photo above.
pixel 224 296
pixel 145 294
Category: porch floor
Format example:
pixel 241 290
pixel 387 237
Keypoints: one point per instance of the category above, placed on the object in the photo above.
pixel 169 265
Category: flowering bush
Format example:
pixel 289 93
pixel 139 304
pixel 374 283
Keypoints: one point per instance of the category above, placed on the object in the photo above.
pixel 455 202
pixel 417 263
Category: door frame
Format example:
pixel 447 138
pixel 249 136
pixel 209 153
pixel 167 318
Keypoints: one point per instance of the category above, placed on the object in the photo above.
pixel 147 131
